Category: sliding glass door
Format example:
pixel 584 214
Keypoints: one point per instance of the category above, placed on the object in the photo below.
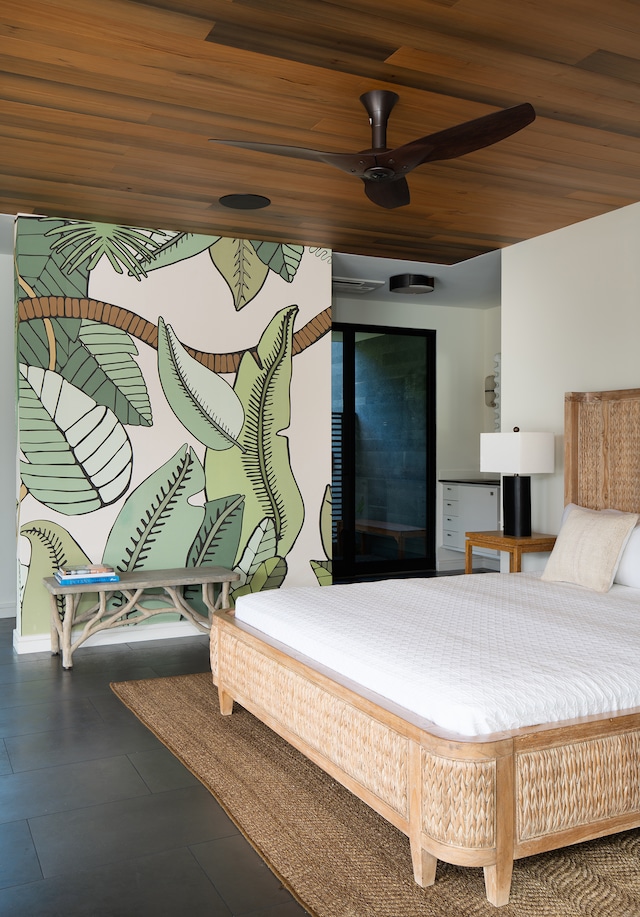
pixel 383 444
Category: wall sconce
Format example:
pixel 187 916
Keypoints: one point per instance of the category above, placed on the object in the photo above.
pixel 490 391
pixel 516 456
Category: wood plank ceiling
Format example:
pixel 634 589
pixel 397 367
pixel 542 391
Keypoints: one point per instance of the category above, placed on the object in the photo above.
pixel 106 107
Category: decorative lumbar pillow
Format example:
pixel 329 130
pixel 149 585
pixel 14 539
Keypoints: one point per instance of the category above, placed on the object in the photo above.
pixel 589 547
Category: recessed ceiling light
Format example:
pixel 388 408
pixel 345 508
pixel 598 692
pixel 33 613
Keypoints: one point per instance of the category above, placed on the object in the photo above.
pixel 245 201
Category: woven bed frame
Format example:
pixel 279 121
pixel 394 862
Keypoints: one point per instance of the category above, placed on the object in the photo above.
pixel 473 802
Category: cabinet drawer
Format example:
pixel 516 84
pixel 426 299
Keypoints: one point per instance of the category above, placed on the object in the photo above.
pixel 467 507
pixel 453 540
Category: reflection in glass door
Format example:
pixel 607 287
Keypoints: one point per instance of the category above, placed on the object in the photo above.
pixel 383 445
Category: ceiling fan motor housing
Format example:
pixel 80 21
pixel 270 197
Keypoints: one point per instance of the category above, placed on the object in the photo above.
pixel 378 173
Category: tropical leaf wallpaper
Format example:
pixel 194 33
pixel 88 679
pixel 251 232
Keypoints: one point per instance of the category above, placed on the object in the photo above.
pixel 174 405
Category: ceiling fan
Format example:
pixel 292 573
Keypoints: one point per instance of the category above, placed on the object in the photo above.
pixel 383 170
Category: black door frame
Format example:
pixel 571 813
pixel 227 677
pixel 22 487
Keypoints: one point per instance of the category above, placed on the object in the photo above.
pixel 345 568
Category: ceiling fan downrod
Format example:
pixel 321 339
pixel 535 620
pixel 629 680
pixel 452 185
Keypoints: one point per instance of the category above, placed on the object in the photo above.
pixel 379 105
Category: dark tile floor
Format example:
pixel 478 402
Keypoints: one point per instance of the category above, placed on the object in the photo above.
pixel 97 818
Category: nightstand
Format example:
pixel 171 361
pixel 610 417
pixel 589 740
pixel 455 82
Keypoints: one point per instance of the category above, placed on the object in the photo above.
pixel 515 545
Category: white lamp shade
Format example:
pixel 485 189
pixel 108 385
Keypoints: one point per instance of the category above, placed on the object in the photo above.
pixel 517 453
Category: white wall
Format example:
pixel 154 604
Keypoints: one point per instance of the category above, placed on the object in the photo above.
pixel 466 341
pixel 492 346
pixel 8 473
pixel 570 322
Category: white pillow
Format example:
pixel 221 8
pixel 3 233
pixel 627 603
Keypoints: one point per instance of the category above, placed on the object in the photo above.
pixel 628 572
pixel 589 548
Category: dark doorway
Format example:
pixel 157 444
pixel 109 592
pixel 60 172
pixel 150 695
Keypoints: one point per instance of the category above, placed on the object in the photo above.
pixel 383 444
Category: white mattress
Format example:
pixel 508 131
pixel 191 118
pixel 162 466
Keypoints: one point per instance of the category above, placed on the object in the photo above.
pixel 473 654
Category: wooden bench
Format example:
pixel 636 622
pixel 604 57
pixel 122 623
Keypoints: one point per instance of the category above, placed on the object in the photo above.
pixel 132 585
pixel 396 530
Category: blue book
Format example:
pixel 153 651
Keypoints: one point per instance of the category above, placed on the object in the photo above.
pixel 85 580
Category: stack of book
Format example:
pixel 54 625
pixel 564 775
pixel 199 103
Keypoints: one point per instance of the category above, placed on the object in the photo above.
pixel 81 575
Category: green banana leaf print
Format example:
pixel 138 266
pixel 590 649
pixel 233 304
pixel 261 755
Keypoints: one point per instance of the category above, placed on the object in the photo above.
pixel 280 257
pixel 262 471
pixel 244 272
pixel 40 269
pixel 204 403
pixel 260 567
pixel 323 571
pixel 178 247
pixel 79 457
pixel 46 342
pixel 95 358
pixel 123 389
pixel 262 546
pixel 51 547
pixel 245 265
pixel 268 575
pixel 84 243
pixel 217 541
pixel 157 524
pixel 323 568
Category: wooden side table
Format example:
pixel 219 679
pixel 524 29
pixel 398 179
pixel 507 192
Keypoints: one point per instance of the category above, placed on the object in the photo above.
pixel 515 545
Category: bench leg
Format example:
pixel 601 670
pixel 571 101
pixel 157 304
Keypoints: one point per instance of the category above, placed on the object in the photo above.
pixel 207 598
pixel 67 625
pixel 223 598
pixel 55 626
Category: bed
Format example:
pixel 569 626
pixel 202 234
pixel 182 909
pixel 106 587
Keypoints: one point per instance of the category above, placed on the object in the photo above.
pixel 493 788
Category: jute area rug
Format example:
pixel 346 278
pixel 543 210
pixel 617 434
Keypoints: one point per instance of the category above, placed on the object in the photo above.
pixel 335 855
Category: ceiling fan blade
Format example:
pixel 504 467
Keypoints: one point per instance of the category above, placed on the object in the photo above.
pixel 459 140
pixel 388 194
pixel 353 163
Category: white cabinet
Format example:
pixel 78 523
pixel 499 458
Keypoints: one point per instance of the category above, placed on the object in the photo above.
pixel 468 507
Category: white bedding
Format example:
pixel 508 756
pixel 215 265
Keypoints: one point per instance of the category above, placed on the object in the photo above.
pixel 473 654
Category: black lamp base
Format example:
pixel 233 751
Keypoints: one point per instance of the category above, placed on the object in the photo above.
pixel 516 505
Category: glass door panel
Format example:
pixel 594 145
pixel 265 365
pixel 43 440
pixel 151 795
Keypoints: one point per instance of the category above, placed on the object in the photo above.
pixel 384 476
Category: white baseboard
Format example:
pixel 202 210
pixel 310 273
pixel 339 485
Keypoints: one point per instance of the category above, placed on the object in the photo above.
pixel 41 643
pixel 8 609
pixel 457 564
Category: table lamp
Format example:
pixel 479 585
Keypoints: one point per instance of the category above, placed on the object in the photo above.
pixel 516 456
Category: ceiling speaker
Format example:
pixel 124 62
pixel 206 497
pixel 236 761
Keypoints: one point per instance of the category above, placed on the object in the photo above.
pixel 411 283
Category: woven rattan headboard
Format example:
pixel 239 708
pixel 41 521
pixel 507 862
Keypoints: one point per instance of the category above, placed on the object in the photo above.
pixel 602 449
